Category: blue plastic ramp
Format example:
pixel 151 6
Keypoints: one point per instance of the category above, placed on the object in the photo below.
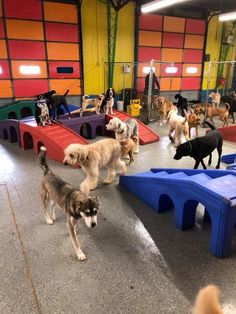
pixel 229 158
pixel 183 190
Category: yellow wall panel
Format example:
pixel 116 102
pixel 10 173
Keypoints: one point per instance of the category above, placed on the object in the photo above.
pixel 149 39
pixel 6 90
pixel 16 69
pixel 194 41
pixel 60 86
pixel 60 12
pixel 62 51
pixel 172 55
pixel 3 50
pixel 174 24
pixel 24 29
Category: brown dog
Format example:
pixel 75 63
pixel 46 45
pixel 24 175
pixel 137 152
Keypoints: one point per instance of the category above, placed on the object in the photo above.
pixel 222 113
pixel 162 106
pixel 194 121
pixel 207 301
pixel 128 147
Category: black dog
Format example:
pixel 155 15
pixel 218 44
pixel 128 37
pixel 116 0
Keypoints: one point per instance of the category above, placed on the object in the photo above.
pixel 56 102
pixel 202 147
pixel 182 104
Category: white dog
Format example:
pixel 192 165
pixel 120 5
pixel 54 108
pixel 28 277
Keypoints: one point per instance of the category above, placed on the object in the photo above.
pixel 124 129
pixel 104 153
pixel 178 125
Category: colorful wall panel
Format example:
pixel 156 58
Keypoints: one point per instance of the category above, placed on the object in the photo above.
pixel 39 39
pixel 172 40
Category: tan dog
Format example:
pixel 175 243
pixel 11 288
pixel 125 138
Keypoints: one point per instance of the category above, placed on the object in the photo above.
pixel 162 106
pixel 103 153
pixel 215 98
pixel 199 109
pixel 178 125
pixel 128 147
pixel 96 102
pixel 207 301
pixel 222 113
pixel 194 121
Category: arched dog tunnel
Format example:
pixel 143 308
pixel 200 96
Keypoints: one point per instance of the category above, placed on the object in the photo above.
pixel 12 115
pixel 100 130
pixel 164 203
pixel 26 112
pixel 13 135
pixel 28 142
pixel 86 130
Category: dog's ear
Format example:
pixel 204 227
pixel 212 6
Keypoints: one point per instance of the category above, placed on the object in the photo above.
pixel 83 158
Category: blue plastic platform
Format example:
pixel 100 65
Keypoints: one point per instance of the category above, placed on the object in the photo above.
pixel 183 190
pixel 229 158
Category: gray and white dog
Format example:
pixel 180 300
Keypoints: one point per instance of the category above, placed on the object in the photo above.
pixel 124 129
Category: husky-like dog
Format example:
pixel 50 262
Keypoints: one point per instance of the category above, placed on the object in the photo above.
pixel 124 129
pixel 54 191
pixel 43 113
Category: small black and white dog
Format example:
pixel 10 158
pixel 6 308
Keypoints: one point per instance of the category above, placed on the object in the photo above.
pixel 108 101
pixel 182 104
pixel 201 147
pixel 42 117
pixel 74 204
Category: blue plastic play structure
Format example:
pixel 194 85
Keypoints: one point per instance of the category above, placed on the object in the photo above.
pixel 183 190
pixel 229 158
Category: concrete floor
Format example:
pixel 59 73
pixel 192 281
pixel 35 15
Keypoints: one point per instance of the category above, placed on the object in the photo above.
pixel 137 261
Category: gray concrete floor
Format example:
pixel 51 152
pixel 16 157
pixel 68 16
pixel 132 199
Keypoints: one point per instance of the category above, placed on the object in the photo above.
pixel 137 261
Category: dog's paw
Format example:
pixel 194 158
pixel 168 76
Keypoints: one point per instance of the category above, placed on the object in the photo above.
pixel 50 221
pixel 81 256
pixel 107 182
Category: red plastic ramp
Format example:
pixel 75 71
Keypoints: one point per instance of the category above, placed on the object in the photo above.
pixel 55 138
pixel 146 135
pixel 228 133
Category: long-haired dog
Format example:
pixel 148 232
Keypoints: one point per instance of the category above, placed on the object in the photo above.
pixel 95 102
pixel 162 107
pixel 128 147
pixel 108 101
pixel 55 192
pixel 103 153
pixel 201 147
pixel 124 129
pixel 178 125
pixel 42 112
pixel 207 301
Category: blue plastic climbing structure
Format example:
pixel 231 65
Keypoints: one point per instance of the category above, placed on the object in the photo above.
pixel 183 190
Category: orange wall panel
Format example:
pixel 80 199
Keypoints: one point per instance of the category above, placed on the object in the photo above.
pixel 194 41
pixel 61 51
pixel 170 83
pixel 6 90
pixel 0 8
pixel 3 50
pixel 165 84
pixel 176 83
pixel 172 55
pixel 174 24
pixel 60 86
pixel 60 12
pixel 149 38
pixel 16 69
pixel 19 29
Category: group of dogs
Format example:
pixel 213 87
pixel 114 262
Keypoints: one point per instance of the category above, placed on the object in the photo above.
pixel 48 106
pixel 107 153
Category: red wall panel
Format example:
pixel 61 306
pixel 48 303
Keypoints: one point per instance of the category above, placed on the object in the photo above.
pixel 148 53
pixel 53 69
pixel 4 69
pixel 192 56
pixel 190 83
pixel 173 40
pixel 140 84
pixel 2 33
pixel 25 9
pixel 150 22
pixel 26 50
pixel 29 88
pixel 61 32
pixel 195 26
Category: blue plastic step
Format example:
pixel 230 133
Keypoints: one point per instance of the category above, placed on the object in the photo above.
pixel 225 186
pixel 159 174
pixel 200 178
pixel 178 175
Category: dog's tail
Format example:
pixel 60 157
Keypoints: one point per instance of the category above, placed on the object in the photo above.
pixel 207 301
pixel 209 124
pixel 66 93
pixel 85 97
pixel 227 106
pixel 42 160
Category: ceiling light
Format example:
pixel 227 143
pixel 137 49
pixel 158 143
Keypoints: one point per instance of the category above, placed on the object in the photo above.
pixel 0 70
pixel 191 70
pixel 29 69
pixel 227 16
pixel 171 70
pixel 146 70
pixel 159 4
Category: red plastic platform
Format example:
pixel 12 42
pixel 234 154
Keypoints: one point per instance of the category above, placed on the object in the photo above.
pixel 146 135
pixel 228 133
pixel 55 138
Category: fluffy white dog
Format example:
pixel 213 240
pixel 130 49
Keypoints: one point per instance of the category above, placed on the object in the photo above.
pixel 124 129
pixel 177 124
pixel 104 153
